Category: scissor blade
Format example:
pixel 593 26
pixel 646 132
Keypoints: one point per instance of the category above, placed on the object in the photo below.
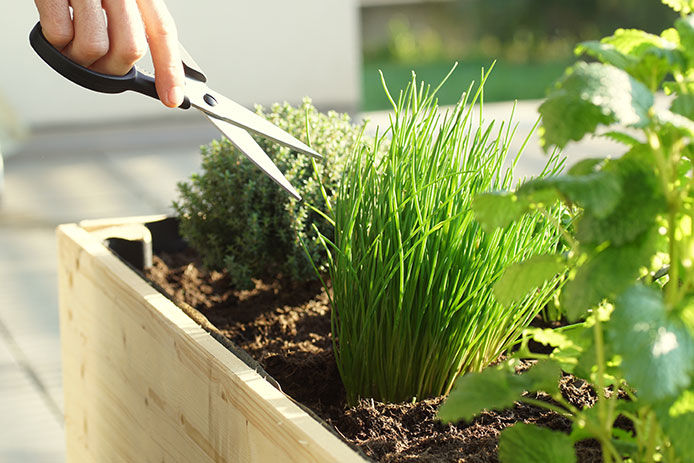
pixel 232 112
pixel 243 141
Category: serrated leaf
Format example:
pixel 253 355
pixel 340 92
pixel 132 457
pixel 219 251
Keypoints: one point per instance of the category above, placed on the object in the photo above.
pixel 671 35
pixel 621 137
pixel 681 6
pixel 682 124
pixel 598 192
pixel 569 344
pixel 498 209
pixel 589 95
pixel 649 57
pixel 520 278
pixel 496 388
pixel 685 30
pixel 646 57
pixel 551 337
pixel 528 443
pixel 606 53
pixel 605 274
pixel 638 206
pixel 637 43
pixel 657 352
pixel 586 166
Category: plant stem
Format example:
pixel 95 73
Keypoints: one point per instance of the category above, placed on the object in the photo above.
pixel 605 424
pixel 548 406
pixel 652 428
pixel 672 289
pixel 564 233
pixel 673 204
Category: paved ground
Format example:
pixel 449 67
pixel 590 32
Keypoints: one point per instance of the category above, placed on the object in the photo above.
pixel 69 174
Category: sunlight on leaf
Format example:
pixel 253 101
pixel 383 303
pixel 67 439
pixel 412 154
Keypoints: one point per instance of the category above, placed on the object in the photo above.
pixel 657 352
pixel 528 443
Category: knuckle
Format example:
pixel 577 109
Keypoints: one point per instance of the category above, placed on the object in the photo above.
pixel 130 52
pixel 92 50
pixel 58 35
pixel 164 28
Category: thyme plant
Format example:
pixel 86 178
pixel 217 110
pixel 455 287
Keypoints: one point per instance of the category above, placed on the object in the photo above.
pixel 631 284
pixel 411 271
pixel 239 220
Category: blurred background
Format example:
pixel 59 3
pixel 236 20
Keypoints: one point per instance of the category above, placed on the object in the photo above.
pixel 68 154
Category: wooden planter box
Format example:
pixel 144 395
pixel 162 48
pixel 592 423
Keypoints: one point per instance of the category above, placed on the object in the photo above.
pixel 145 383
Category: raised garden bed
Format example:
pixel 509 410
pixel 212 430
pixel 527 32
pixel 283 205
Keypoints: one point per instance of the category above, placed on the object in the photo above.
pixel 146 378
pixel 144 382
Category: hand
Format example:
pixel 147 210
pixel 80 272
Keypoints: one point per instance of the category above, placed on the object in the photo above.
pixel 113 42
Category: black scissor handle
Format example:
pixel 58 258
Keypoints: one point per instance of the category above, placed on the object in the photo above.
pixel 134 80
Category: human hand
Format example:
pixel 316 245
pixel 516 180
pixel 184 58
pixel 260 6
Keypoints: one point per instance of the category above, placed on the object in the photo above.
pixel 113 42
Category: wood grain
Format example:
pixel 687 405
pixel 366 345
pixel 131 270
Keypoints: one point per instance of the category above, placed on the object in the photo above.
pixel 143 382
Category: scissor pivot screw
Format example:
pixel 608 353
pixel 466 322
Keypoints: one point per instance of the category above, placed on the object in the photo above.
pixel 209 99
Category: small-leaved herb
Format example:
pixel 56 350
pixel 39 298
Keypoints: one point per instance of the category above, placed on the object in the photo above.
pixel 239 220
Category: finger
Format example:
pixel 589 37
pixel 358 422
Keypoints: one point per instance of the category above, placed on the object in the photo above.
pixel 91 37
pixel 126 35
pixel 163 44
pixel 56 22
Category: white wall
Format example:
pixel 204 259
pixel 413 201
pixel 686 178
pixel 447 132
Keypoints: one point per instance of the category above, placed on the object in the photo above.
pixel 257 51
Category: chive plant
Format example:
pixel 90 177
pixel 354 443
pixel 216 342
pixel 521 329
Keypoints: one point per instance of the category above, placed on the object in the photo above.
pixel 411 270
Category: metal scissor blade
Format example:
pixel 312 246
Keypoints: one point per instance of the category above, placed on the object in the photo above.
pixel 225 109
pixel 243 141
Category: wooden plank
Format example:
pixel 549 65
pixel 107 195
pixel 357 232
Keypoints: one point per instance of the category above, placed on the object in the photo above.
pixel 91 225
pixel 143 382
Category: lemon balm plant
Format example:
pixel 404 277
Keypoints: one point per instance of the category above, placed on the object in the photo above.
pixel 411 271
pixel 631 280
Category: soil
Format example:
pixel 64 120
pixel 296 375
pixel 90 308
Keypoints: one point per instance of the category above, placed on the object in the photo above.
pixel 286 328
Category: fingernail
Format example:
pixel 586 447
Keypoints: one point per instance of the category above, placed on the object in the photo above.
pixel 175 96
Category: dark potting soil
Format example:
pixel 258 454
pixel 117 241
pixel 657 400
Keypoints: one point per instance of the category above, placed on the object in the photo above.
pixel 286 328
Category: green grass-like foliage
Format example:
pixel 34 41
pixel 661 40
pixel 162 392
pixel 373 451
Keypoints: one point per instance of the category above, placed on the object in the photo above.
pixel 411 270
pixel 238 219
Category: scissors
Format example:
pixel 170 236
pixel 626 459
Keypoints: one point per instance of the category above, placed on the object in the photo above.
pixel 232 119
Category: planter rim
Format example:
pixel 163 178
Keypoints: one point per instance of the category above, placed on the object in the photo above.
pixel 211 405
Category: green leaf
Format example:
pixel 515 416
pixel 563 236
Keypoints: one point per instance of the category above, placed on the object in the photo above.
pixel 605 274
pixel 589 95
pixel 625 443
pixel 639 204
pixel 636 43
pixel 598 191
pixel 621 137
pixel 681 6
pixel 528 443
pixel 684 105
pixel 586 166
pixel 685 30
pixel 496 388
pixel 647 57
pixel 657 352
pixel 606 53
pixel 682 124
pixel 676 417
pixel 520 278
pixel 499 209
pixel 569 344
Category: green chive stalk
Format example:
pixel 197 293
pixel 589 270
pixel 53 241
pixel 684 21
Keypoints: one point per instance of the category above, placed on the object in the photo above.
pixel 411 270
